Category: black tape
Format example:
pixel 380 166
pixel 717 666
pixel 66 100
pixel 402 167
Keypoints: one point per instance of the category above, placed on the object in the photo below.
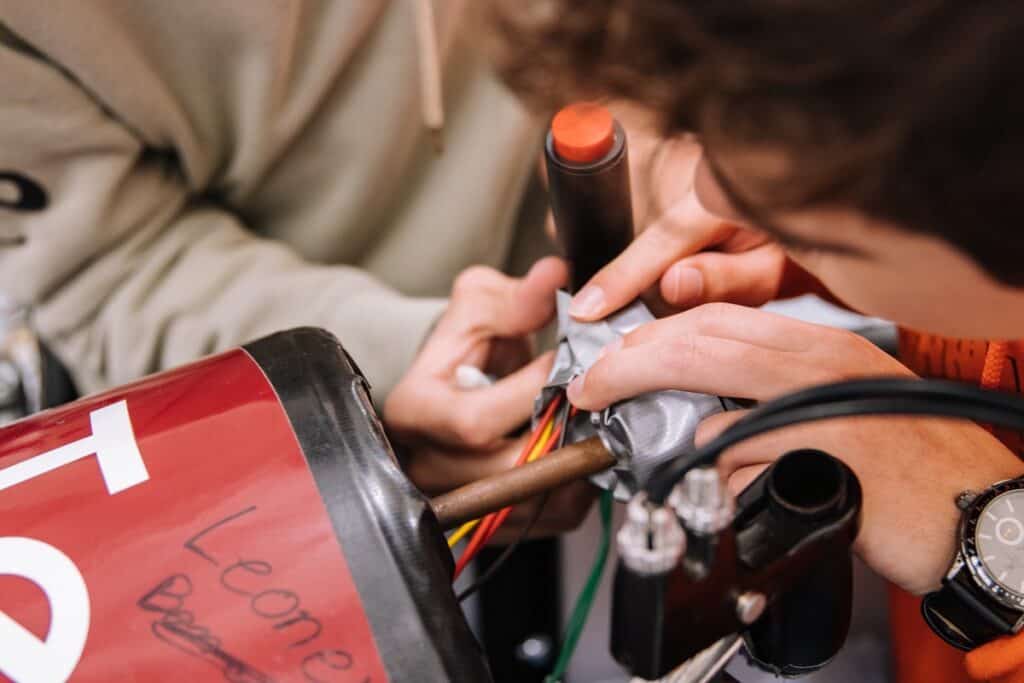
pixel 388 533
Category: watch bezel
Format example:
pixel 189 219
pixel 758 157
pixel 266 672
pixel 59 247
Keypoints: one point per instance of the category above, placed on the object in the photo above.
pixel 969 550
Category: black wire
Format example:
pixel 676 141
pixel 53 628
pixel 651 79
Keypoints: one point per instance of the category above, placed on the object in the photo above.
pixel 885 387
pixel 493 568
pixel 847 399
pixel 663 481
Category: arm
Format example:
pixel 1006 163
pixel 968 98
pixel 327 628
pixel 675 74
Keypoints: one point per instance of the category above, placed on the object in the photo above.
pixel 911 469
pixel 130 273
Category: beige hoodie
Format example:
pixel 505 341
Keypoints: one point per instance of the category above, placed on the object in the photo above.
pixel 180 176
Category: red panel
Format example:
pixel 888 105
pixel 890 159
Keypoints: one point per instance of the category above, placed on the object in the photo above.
pixel 203 544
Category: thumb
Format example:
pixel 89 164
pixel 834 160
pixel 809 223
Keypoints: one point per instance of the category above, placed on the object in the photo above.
pixel 684 230
pixel 749 278
pixel 529 303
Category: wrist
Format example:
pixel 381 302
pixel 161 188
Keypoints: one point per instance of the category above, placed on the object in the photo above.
pixel 982 594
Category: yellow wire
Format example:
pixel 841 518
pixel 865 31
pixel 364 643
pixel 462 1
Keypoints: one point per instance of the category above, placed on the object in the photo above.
pixel 461 533
pixel 534 454
pixel 538 447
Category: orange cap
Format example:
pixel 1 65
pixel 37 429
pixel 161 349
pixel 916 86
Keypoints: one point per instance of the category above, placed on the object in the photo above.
pixel 583 132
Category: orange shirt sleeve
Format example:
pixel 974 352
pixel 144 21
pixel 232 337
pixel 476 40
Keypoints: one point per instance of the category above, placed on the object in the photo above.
pixel 1001 661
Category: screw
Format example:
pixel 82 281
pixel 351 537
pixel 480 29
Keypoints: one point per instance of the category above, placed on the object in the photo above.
pixel 750 606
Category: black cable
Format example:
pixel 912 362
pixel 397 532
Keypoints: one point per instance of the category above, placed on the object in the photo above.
pixel 493 568
pixel 663 481
pixel 883 387
pixel 848 399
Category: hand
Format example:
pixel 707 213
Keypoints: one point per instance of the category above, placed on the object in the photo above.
pixel 910 469
pixel 489 320
pixel 691 255
pixel 453 435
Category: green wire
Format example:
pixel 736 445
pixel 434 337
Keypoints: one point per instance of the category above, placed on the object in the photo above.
pixel 585 601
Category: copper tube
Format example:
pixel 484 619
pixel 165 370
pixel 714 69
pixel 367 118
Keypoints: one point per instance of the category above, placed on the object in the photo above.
pixel 493 493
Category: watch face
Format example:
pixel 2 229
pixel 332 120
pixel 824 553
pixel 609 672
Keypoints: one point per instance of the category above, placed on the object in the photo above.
pixel 999 538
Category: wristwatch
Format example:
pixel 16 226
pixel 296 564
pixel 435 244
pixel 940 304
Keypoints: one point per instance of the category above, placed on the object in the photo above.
pixel 982 596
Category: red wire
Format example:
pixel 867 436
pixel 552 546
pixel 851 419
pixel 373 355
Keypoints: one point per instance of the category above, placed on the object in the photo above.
pixel 493 521
pixel 483 530
pixel 503 514
pixel 549 445
pixel 474 545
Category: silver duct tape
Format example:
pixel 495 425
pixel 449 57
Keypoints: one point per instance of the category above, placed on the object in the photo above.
pixel 642 432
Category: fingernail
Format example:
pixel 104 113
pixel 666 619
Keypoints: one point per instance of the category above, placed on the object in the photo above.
pixel 610 347
pixel 587 303
pixel 686 285
pixel 575 387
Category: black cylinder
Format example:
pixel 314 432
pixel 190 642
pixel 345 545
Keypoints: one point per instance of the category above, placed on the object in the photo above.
pixel 591 206
pixel 807 483
pixel 809 493
pixel 807 627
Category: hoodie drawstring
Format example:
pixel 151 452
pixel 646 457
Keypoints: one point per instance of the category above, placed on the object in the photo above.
pixel 432 101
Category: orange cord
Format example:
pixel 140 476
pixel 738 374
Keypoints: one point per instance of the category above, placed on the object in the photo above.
pixel 504 513
pixel 490 523
pixel 486 529
pixel 549 446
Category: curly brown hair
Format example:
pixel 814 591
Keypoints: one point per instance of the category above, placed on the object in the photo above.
pixel 910 112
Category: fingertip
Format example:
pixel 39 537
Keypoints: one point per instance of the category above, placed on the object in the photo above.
pixel 530 303
pixel 540 283
pixel 574 392
pixel 550 269
pixel 588 304
pixel 585 390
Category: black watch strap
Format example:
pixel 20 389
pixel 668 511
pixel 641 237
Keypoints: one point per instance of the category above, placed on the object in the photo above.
pixel 964 616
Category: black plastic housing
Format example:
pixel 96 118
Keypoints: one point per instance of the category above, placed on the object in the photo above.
pixel 790 541
pixel 592 207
